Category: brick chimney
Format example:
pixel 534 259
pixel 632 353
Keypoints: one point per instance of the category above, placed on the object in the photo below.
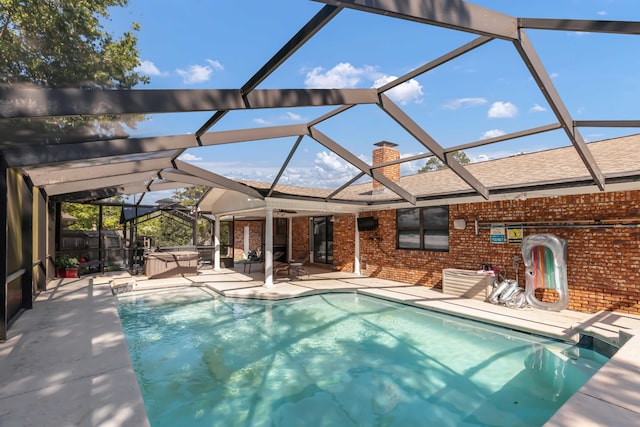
pixel 386 152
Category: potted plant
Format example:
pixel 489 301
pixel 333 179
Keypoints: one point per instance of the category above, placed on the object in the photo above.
pixel 67 266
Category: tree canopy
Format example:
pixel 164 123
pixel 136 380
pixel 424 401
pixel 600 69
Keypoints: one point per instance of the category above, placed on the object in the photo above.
pixel 434 164
pixel 167 230
pixel 87 216
pixel 62 43
pixel 189 196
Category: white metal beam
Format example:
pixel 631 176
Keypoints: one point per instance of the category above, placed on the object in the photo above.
pixel 97 183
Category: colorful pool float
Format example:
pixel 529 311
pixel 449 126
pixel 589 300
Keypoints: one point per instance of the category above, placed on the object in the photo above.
pixel 545 259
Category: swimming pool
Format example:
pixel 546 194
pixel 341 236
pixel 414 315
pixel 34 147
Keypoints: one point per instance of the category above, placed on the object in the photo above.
pixel 339 360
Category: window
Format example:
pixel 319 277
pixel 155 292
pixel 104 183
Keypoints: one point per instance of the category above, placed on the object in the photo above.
pixel 424 229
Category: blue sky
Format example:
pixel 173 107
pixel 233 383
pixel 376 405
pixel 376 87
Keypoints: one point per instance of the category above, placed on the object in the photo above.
pixel 488 92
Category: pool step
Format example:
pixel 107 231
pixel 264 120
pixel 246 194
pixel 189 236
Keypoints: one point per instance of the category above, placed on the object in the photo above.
pixel 119 286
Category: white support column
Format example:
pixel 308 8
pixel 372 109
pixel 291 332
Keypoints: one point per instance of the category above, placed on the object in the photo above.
pixel 216 244
pixel 246 247
pixel 356 248
pixel 268 248
pixel 289 239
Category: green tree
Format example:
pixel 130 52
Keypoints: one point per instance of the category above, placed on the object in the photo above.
pixel 189 197
pixel 87 216
pixel 172 232
pixel 62 43
pixel 435 164
pixel 169 230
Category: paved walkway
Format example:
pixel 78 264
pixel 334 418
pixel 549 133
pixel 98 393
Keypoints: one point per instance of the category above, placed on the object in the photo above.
pixel 66 362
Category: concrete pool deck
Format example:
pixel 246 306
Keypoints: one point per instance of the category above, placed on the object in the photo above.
pixel 66 362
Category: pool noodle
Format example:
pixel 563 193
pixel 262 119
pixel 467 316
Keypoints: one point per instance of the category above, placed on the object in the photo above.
pixel 535 267
pixel 537 278
pixel 551 283
pixel 543 276
pixel 541 264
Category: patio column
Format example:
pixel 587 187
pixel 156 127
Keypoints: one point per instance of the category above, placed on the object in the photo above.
pixel 4 315
pixel 216 244
pixel 356 248
pixel 194 231
pixel 289 239
pixel 26 222
pixel 268 248
pixel 101 252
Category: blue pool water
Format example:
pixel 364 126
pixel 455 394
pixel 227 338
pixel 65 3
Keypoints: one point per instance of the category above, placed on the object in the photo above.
pixel 339 360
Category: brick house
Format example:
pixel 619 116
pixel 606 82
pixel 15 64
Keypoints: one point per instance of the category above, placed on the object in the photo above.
pixel 543 194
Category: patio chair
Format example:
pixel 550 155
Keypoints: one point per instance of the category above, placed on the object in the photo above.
pixel 295 266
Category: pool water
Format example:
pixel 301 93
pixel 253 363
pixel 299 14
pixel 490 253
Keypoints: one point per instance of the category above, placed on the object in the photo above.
pixel 339 360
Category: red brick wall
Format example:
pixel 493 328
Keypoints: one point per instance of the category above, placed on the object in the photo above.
pixel 378 252
pixel 344 230
pixel 603 264
pixel 299 235
pixel 383 155
pixel 255 237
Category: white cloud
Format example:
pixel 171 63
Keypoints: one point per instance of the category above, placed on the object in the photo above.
pixel 602 12
pixel 242 170
pixel 537 109
pixel 199 73
pixel 464 103
pixel 148 68
pixel 502 110
pixel 195 74
pixel 409 91
pixel 261 121
pixel 293 117
pixel 501 154
pixel 331 162
pixel 343 75
pixel 554 75
pixel 411 168
pixel 328 171
pixel 492 156
pixel 190 157
pixel 493 133
pixel 216 65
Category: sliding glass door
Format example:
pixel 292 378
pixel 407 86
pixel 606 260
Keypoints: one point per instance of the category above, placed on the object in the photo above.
pixel 322 232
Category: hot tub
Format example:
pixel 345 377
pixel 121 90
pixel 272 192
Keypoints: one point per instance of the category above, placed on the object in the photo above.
pixel 159 265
